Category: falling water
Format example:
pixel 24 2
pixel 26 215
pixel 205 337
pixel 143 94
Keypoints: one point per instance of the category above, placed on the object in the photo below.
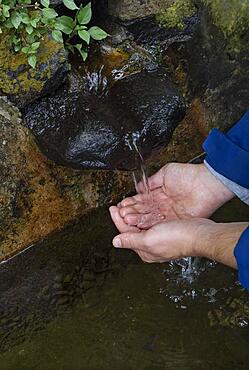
pixel 131 141
pixel 189 265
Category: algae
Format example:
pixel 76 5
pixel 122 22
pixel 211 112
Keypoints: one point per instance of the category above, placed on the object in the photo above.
pixel 232 18
pixel 176 14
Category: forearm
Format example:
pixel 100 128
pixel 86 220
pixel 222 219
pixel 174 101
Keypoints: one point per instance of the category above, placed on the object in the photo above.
pixel 219 240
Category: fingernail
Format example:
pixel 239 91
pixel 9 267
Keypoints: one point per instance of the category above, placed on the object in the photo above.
pixel 116 242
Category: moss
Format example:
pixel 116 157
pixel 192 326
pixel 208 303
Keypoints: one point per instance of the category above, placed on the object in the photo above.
pixel 232 18
pixel 175 15
pixel 16 76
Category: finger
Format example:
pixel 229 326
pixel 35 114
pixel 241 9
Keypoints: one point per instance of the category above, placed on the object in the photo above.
pixel 132 200
pixel 130 240
pixel 144 221
pixel 155 181
pixel 119 221
pixel 136 208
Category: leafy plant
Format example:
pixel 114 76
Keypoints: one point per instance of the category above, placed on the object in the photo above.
pixel 27 22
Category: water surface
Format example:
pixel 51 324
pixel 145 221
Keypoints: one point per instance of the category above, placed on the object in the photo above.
pixel 148 317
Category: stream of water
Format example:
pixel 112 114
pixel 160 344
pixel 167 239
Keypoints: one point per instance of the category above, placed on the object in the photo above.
pixel 189 265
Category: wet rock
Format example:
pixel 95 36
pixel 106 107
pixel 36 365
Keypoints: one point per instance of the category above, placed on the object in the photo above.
pixel 23 84
pixel 9 184
pixel 37 197
pixel 118 34
pixel 155 22
pixel 148 31
pixel 128 10
pixel 213 67
pixel 91 129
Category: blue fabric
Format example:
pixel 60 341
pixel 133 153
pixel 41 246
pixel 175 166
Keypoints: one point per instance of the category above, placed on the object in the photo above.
pixel 241 253
pixel 228 154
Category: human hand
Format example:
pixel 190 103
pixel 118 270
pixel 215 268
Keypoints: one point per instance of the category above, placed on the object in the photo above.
pixel 195 237
pixel 164 241
pixel 177 191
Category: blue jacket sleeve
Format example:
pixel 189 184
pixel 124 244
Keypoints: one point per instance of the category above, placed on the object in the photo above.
pixel 228 154
pixel 241 253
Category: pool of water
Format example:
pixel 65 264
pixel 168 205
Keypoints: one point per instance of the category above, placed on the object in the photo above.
pixel 148 317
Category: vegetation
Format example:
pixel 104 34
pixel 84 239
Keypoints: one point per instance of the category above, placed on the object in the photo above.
pixel 175 14
pixel 232 18
pixel 27 23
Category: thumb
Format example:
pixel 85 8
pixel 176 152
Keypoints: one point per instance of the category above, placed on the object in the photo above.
pixel 130 240
pixel 155 181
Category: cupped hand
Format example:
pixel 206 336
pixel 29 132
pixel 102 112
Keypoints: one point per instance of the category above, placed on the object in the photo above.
pixel 177 191
pixel 162 242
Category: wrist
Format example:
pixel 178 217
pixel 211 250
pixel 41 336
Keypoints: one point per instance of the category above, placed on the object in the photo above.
pixel 217 193
pixel 217 241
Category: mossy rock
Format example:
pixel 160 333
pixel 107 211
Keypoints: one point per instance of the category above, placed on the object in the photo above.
pixel 232 18
pixel 212 67
pixel 23 84
pixel 130 10
pixel 175 15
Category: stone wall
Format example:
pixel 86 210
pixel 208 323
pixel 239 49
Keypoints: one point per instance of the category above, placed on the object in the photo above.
pixel 213 66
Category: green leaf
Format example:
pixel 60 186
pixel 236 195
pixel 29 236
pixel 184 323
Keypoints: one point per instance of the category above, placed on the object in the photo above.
pixel 30 38
pixel 45 3
pixel 49 13
pixel 70 47
pixel 85 14
pixel 80 27
pixel 35 45
pixel 24 2
pixel 32 61
pixel 83 53
pixel 84 35
pixel 70 4
pixel 17 48
pixel 25 49
pixel 5 10
pixel 29 29
pixel 16 19
pixel 8 23
pixel 15 40
pixel 65 24
pixel 97 33
pixel 57 36
pixel 33 23
pixel 39 31
pixel 25 18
